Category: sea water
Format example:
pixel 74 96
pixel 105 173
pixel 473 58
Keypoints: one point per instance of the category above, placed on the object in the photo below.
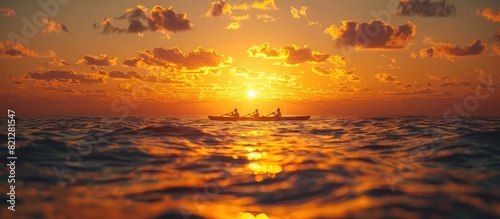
pixel 191 167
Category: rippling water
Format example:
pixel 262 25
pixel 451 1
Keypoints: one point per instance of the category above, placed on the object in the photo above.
pixel 190 167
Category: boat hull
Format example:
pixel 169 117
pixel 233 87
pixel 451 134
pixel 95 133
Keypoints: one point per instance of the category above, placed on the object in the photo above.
pixel 260 119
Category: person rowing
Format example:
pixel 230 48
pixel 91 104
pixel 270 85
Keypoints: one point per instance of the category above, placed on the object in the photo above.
pixel 277 114
pixel 253 114
pixel 234 114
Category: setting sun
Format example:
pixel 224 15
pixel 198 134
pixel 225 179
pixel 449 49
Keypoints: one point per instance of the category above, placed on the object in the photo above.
pixel 251 93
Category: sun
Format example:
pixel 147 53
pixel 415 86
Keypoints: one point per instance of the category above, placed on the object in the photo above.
pixel 251 93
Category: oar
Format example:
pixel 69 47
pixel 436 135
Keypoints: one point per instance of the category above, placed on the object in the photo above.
pixel 269 114
pixel 247 114
pixel 227 114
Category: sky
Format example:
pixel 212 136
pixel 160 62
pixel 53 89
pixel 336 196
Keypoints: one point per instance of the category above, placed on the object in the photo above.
pixel 321 57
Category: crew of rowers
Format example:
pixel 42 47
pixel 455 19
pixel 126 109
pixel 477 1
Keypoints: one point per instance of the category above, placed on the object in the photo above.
pixel 235 114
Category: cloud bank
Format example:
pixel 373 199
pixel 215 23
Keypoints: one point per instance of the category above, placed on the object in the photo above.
pixel 450 51
pixel 292 54
pixel 376 34
pixel 11 50
pixel 489 14
pixel 140 20
pixel 175 58
pixel 426 8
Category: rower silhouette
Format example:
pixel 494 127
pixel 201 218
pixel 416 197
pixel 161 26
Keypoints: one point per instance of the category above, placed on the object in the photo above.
pixel 235 113
pixel 255 114
pixel 277 114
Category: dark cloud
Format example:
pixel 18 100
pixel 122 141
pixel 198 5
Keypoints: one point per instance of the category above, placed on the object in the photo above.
pixel 124 75
pixel 376 34
pixel 66 76
pixel 107 28
pixel 292 54
pixel 136 26
pixel 166 19
pixel 426 8
pixel 449 51
pixel 139 12
pixel 140 20
pixel 219 8
pixel 174 58
pixel 11 50
pixel 101 60
pixel 133 61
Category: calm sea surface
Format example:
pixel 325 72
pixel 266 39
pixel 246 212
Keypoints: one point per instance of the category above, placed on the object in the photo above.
pixel 190 167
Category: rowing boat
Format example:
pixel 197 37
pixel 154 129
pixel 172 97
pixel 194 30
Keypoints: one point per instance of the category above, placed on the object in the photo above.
pixel 284 118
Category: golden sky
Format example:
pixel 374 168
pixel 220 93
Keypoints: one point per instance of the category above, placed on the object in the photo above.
pixel 351 57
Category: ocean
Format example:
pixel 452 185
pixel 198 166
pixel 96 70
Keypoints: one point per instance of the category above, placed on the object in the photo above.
pixel 191 167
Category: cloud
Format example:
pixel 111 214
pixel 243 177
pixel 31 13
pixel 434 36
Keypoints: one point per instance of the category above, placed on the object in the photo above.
pixel 495 49
pixel 265 17
pixel 241 18
pixel 66 76
pixel 124 75
pixel 265 5
pixel 140 20
pixel 426 8
pixel 450 51
pixel 57 62
pixel 424 90
pixel 496 36
pixel 53 27
pixel 386 77
pixel 292 54
pixel 352 89
pixel 101 60
pixel 219 8
pixel 166 19
pixel 7 12
pixel 139 12
pixel 447 81
pixel 233 25
pixel 245 72
pixel 296 13
pixel 314 23
pixel 174 58
pixel 244 6
pixel 321 70
pixel 10 50
pixel 338 61
pixel 489 14
pixel 376 34
pixel 336 73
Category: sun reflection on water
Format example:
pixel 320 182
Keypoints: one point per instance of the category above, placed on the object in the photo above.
pixel 248 215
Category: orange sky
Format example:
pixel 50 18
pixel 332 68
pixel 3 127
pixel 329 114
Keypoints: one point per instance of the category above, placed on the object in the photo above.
pixel 308 57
